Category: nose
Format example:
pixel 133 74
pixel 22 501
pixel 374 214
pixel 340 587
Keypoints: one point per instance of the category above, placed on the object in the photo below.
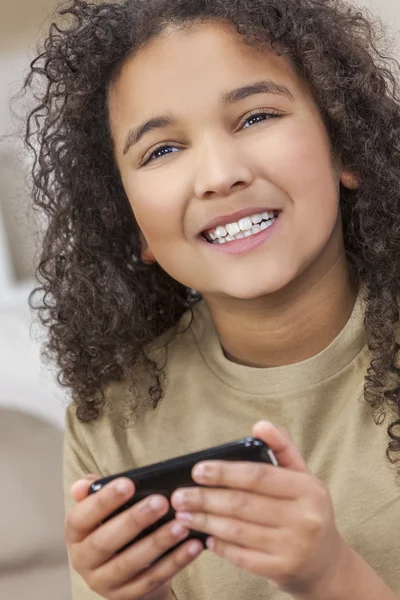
pixel 221 169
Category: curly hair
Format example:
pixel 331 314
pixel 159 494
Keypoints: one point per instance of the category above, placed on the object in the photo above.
pixel 101 304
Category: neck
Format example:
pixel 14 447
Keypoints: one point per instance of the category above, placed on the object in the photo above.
pixel 289 326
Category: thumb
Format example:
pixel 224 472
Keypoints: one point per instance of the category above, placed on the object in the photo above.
pixel 281 445
pixel 80 488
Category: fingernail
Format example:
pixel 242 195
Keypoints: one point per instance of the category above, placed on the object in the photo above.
pixel 123 486
pixel 184 516
pixel 179 498
pixel 156 503
pixel 178 530
pixel 210 543
pixel 195 548
pixel 200 471
pixel 78 484
pixel 262 424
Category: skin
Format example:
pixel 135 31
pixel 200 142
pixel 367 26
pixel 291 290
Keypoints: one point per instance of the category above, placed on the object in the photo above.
pixel 274 522
pixel 219 163
pixel 128 575
pixel 280 303
pixel 277 523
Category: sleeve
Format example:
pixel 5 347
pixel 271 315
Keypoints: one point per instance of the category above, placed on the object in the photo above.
pixel 78 462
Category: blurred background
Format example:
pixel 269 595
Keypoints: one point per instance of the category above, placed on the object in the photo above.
pixel 33 561
pixel 33 558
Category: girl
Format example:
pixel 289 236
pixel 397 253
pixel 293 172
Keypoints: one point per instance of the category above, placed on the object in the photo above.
pixel 248 150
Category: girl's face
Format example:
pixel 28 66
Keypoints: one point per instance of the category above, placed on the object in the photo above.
pixel 215 138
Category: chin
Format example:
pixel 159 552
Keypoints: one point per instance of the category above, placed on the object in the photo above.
pixel 248 290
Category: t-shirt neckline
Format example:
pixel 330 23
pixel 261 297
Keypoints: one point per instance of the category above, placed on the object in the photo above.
pixel 346 346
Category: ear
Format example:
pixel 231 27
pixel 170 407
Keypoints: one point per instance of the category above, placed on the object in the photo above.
pixel 146 254
pixel 350 179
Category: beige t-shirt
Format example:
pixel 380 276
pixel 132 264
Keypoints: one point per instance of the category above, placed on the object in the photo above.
pixel 210 400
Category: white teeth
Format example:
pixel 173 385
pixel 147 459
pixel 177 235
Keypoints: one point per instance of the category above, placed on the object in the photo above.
pixel 245 224
pixel 220 232
pixel 244 228
pixel 233 228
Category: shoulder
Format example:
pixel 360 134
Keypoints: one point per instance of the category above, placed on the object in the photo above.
pixel 128 429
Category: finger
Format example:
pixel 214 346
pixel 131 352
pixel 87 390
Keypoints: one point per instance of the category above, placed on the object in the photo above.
pixel 162 572
pixel 258 478
pixel 234 531
pixel 80 489
pixel 140 557
pixel 260 563
pixel 84 517
pixel 281 445
pixel 102 544
pixel 245 506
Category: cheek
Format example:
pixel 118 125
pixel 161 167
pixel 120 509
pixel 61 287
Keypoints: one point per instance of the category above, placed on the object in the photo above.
pixel 299 155
pixel 300 166
pixel 157 204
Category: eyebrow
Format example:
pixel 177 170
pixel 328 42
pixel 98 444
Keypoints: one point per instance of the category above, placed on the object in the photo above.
pixel 134 135
pixel 260 87
pixel 162 121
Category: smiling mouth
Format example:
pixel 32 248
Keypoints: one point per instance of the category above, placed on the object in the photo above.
pixel 243 228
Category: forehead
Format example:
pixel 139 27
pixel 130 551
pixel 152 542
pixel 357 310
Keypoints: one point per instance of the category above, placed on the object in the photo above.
pixel 191 67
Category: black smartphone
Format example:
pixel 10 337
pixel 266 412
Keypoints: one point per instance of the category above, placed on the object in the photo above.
pixel 167 476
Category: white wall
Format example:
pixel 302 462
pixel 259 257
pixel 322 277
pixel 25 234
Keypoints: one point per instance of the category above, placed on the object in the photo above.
pixel 389 10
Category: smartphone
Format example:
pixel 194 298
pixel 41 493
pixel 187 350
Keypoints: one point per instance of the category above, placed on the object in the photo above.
pixel 167 476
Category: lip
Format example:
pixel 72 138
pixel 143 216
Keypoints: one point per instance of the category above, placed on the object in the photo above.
pixel 247 244
pixel 234 217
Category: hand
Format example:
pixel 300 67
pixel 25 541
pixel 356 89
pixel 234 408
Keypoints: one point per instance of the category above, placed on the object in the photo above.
pixel 275 522
pixel 130 574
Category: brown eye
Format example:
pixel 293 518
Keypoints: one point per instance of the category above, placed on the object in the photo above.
pixel 259 118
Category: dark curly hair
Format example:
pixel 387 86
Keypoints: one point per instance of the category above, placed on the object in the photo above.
pixel 102 305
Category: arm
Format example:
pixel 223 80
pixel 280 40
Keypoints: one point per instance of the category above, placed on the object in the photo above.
pixel 354 579
pixel 77 464
pixel 80 469
pixel 278 523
